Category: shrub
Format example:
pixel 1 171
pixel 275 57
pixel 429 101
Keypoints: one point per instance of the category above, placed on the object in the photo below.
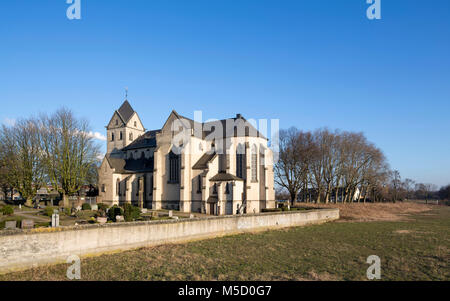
pixel 8 210
pixel 68 211
pixel 18 219
pixel 131 212
pixel 102 206
pixel 48 211
pixel 86 206
pixel 271 210
pixel 113 212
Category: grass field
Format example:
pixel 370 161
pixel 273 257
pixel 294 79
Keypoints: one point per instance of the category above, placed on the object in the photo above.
pixel 416 247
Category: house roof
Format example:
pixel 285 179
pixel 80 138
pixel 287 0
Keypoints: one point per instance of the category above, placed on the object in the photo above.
pixel 225 177
pixel 202 163
pixel 131 165
pixel 251 131
pixel 125 111
pixel 147 140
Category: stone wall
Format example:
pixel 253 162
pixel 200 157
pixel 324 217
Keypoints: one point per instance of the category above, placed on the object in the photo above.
pixel 23 249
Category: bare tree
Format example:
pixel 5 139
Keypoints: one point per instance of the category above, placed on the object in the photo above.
pixel 22 157
pixel 290 167
pixel 70 152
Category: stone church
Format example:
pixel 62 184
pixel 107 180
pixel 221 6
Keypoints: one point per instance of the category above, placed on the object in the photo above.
pixel 221 167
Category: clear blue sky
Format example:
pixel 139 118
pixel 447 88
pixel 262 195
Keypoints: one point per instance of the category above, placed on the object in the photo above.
pixel 311 64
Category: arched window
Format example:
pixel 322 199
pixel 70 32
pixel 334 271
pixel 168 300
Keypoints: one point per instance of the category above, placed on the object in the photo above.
pixel 151 185
pixel 215 188
pixel 120 136
pixel 174 168
pixel 112 136
pixel 199 183
pixel 135 124
pixel 117 122
pixel 240 161
pixel 254 163
pixel 131 137
pixel 118 187
pixel 227 188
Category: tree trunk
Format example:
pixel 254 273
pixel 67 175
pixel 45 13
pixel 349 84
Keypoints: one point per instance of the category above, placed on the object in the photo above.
pixel 65 198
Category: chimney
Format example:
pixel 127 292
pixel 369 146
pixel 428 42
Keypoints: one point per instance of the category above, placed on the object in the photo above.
pixel 238 116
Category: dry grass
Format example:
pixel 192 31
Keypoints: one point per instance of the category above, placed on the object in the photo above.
pixel 416 248
pixel 360 212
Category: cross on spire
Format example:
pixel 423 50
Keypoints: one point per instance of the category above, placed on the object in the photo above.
pixel 126 93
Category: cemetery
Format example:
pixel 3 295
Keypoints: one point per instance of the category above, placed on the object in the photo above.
pixel 21 217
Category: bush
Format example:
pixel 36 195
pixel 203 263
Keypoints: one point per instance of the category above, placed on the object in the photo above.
pixel 102 206
pixel 7 210
pixel 68 211
pixel 48 211
pixel 131 212
pixel 271 210
pixel 86 206
pixel 113 212
pixel 18 219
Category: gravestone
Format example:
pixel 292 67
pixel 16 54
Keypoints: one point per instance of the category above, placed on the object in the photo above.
pixel 191 216
pixel 120 218
pixel 79 208
pixel 144 210
pixel 94 207
pixel 170 213
pixel 102 220
pixel 27 224
pixel 175 217
pixel 10 225
pixel 155 214
pixel 55 220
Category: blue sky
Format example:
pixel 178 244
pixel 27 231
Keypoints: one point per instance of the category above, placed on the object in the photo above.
pixel 309 63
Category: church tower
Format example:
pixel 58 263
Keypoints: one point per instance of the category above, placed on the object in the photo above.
pixel 124 127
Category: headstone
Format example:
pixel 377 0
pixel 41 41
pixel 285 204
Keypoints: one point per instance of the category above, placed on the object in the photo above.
pixel 27 224
pixel 144 210
pixel 20 206
pixel 154 214
pixel 175 217
pixel 55 220
pixel 10 225
pixel 170 213
pixel 102 220
pixel 120 218
pixel 94 207
pixel 191 216
pixel 78 208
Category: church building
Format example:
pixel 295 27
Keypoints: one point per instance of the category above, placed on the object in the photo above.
pixel 222 167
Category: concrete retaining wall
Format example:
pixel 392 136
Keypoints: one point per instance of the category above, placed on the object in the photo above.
pixel 23 249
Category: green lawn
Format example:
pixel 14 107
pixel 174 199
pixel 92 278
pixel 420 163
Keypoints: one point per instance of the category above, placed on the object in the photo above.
pixel 417 249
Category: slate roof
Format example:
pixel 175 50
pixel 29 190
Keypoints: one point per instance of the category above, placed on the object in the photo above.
pixel 147 140
pixel 202 163
pixel 131 165
pixel 125 111
pixel 251 131
pixel 222 176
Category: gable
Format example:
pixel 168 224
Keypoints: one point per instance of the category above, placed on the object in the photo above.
pixel 115 122
pixel 135 118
